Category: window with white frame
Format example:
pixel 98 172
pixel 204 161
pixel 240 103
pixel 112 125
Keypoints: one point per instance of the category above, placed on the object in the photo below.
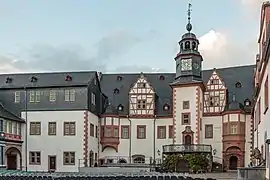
pixel 17 97
pixel 52 95
pixel 34 96
pixel 233 129
pixel 69 95
pixel 93 98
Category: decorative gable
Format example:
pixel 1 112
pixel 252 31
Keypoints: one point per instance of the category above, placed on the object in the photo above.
pixel 141 97
pixel 215 94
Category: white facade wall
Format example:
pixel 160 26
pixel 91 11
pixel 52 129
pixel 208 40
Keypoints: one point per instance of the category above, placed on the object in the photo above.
pixel 93 141
pixel 54 145
pixel 216 141
pixel 184 94
pixel 140 146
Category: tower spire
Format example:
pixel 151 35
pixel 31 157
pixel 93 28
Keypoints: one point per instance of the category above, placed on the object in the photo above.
pixel 189 26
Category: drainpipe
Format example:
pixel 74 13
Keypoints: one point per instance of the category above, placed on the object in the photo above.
pixel 130 142
pixel 154 140
pixel 26 129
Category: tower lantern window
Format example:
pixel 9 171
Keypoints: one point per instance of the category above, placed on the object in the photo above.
pixel 194 46
pixel 187 45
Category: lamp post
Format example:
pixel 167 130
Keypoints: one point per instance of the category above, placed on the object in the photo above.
pixel 154 139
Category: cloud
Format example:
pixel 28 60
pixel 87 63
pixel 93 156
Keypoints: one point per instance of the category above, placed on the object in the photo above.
pixel 43 57
pixel 136 69
pixel 219 51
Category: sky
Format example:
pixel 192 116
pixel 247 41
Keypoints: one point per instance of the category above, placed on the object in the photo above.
pixel 123 36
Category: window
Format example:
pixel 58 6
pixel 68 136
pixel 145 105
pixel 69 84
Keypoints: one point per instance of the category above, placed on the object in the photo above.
pixel 17 97
pixel 115 132
pixel 93 99
pixel 161 130
pixel 209 131
pixel 141 85
pixel 52 95
pixel 37 96
pixel 214 81
pixel 69 128
pixel 108 132
pixel 238 85
pixel 171 131
pixel 141 104
pixel 233 129
pixel 214 101
pixel 10 127
pixel 266 94
pixel 14 125
pixel 1 125
pixel 69 158
pixel 5 126
pixel 92 130
pixel 52 128
pixel 19 129
pixel 125 132
pixel 185 118
pixel 91 158
pixel 34 158
pixel 141 132
pixel 35 128
pixel 34 96
pixel 185 104
pixel 96 134
pixel 69 95
pixel 139 160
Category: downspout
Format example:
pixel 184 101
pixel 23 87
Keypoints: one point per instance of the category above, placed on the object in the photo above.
pixel 130 142
pixel 154 140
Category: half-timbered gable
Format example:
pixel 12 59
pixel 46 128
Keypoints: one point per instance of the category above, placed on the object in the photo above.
pixel 141 97
pixel 215 94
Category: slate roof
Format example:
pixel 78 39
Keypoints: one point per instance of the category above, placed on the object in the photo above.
pixel 4 113
pixel 56 79
pixel 230 76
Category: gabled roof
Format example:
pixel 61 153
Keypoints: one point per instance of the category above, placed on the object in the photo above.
pixel 4 113
pixel 56 79
pixel 230 76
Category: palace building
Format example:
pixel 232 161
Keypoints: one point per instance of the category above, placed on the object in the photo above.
pixel 64 121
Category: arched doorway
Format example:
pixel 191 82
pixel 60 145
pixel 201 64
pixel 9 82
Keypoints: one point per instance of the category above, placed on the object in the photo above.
pixel 13 158
pixel 233 163
pixel 187 140
pixel 122 161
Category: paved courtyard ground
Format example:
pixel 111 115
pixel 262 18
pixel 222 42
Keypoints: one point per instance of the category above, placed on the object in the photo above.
pixel 218 176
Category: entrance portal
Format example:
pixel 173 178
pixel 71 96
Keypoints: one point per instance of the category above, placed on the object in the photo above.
pixel 14 158
pixel 233 163
pixel 187 140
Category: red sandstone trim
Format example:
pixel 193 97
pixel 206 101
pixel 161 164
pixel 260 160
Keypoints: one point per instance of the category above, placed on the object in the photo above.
pixel 174 115
pixel 85 139
pixel 198 95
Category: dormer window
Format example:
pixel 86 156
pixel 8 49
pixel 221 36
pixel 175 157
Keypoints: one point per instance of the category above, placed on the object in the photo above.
pixel 161 77
pixel 68 78
pixel 119 78
pixel 166 107
pixel 247 102
pixel 8 80
pixel 116 91
pixel 238 85
pixel 34 79
pixel 120 107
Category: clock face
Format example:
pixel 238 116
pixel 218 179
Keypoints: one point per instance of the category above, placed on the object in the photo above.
pixel 196 66
pixel 186 64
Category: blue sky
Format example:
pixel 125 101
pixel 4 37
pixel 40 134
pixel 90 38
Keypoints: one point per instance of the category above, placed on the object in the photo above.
pixel 119 35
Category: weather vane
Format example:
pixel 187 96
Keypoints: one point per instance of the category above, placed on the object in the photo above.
pixel 189 26
pixel 189 12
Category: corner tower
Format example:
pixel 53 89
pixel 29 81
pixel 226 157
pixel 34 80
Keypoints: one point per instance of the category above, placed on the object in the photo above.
pixel 189 59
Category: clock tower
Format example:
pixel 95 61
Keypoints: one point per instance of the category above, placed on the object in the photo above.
pixel 188 60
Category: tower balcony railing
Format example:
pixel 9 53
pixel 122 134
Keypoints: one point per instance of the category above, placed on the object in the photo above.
pixel 183 148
